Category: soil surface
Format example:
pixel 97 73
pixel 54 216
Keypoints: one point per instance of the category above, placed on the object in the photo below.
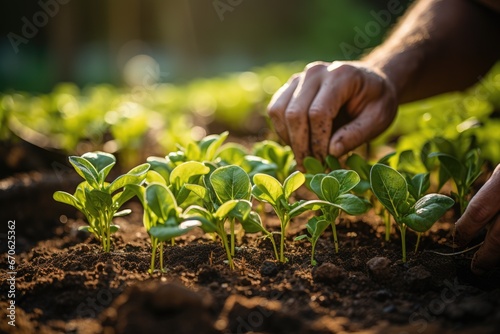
pixel 65 284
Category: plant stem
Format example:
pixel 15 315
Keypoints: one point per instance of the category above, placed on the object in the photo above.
pixel 271 237
pixel 226 247
pixel 154 243
pixel 231 222
pixel 335 241
pixel 387 222
pixel 418 241
pixel 402 229
pixel 161 257
pixel 313 249
pixel 284 222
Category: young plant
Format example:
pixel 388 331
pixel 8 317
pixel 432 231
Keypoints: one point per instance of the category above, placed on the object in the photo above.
pixel 269 190
pixel 333 191
pixel 226 197
pixel 391 189
pixel 461 162
pixel 162 218
pixel 313 166
pixel 281 156
pixel 97 199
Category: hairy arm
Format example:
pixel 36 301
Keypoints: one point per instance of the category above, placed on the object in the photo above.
pixel 440 46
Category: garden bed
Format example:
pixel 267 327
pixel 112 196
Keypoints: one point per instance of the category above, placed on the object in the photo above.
pixel 66 284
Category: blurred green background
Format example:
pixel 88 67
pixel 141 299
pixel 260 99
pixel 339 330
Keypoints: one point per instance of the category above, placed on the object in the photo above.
pixel 138 77
pixel 91 41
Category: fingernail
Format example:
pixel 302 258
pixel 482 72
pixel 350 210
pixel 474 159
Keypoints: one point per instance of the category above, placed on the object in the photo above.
pixel 337 150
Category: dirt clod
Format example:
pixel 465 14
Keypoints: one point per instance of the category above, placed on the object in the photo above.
pixel 379 267
pixel 328 273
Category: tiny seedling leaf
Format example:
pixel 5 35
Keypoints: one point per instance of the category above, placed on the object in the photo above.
pixel 292 183
pixel 267 189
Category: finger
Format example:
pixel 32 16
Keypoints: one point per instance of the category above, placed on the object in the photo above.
pixel 488 256
pixel 296 115
pixel 322 112
pixel 372 121
pixel 278 105
pixel 481 210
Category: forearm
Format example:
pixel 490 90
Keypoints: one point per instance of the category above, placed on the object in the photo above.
pixel 439 46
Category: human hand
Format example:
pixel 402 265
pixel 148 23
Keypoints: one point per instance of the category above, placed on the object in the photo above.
pixel 332 108
pixel 483 209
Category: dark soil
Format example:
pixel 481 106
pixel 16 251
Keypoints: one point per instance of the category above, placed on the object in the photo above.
pixel 65 284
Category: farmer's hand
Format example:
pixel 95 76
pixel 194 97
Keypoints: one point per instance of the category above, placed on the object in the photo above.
pixel 483 209
pixel 331 108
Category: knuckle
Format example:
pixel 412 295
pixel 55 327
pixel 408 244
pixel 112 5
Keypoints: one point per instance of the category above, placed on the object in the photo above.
pixel 293 115
pixel 317 113
pixel 315 67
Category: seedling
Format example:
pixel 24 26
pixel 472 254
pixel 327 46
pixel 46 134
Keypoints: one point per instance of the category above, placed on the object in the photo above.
pixel 268 189
pixel 281 156
pixel 460 162
pixel 313 166
pixel 97 199
pixel 391 189
pixel 333 192
pixel 226 197
pixel 162 218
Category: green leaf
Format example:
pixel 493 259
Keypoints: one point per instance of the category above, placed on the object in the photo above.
pixel 453 167
pixel 185 172
pixel 224 210
pixel 347 179
pixel 67 198
pixel 241 211
pixel 424 156
pixel 161 166
pixel 155 177
pixel 418 185
pixel 351 204
pixel 427 211
pixel 97 201
pixel 102 162
pixel 390 188
pixel 210 144
pixel 198 190
pixel 316 226
pixel 386 159
pixel 232 154
pixel 332 162
pixel 304 206
pixel 201 214
pixel 359 165
pixel 160 200
pixel 165 232
pixel 86 170
pixel 113 228
pixel 313 165
pixel 315 185
pixel 267 189
pixel 330 188
pixel 193 152
pixel 122 213
pixel 135 176
pixel 231 182
pixel 300 237
pixel 253 224
pixel 292 183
